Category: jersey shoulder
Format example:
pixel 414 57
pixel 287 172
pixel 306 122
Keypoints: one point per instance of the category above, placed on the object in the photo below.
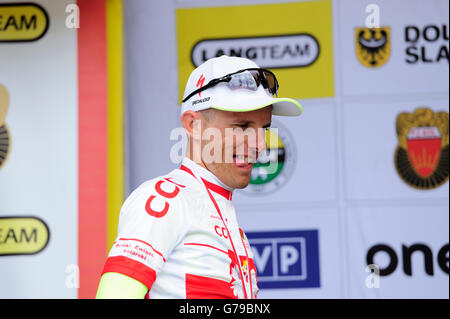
pixel 191 190
pixel 174 191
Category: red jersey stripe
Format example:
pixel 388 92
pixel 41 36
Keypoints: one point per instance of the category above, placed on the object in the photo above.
pixel 199 287
pixel 131 268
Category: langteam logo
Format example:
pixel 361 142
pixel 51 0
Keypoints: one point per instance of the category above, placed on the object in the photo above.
pixel 25 235
pixel 373 46
pixel 297 44
pixel 275 165
pixel 422 154
pixel 22 22
pixel 282 51
pixel 4 133
pixel 286 259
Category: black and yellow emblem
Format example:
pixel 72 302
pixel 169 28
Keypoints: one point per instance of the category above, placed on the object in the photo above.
pixel 373 46
pixel 5 142
pixel 422 154
pixel 22 22
pixel 23 235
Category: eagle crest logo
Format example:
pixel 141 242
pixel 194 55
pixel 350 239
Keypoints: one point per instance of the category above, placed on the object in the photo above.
pixel 373 46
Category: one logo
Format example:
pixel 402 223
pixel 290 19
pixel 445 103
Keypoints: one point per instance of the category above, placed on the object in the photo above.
pixel 200 82
pixel 422 154
pixel 275 164
pixel 22 235
pixel 5 140
pixel 282 51
pixel 286 259
pixel 22 22
pixel 404 258
pixel 373 46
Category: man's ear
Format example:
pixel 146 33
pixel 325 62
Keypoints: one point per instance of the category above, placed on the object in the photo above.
pixel 191 122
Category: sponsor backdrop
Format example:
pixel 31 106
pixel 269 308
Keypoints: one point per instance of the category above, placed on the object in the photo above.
pixel 358 205
pixel 38 155
pixel 60 136
pixel 363 173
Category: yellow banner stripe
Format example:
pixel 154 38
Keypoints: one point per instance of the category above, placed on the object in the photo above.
pixel 114 28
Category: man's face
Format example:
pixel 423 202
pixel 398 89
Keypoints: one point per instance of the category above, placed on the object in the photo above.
pixel 230 155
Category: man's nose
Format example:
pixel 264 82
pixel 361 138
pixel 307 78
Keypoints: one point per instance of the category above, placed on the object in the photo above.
pixel 260 142
pixel 254 143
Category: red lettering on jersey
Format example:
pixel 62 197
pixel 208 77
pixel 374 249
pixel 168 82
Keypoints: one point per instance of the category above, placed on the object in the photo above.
pixel 221 231
pixel 155 213
pixel 165 194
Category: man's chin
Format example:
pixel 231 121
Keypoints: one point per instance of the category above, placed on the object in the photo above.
pixel 242 184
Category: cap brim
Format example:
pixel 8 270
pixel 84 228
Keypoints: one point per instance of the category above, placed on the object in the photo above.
pixel 281 107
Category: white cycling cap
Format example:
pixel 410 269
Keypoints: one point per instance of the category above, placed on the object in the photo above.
pixel 224 97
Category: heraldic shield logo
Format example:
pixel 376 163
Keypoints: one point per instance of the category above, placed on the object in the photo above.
pixel 373 46
pixel 421 157
pixel 4 134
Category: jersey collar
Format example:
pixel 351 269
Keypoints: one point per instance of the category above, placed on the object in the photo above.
pixel 211 181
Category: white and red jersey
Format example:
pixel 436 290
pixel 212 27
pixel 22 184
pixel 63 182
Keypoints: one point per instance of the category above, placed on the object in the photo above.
pixel 179 236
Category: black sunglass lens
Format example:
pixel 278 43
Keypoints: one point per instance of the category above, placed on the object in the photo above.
pixel 256 76
pixel 271 82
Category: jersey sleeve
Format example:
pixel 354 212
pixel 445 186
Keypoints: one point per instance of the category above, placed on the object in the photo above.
pixel 152 222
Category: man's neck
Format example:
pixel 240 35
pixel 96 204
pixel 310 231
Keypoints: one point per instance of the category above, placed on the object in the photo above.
pixel 197 160
pixel 200 163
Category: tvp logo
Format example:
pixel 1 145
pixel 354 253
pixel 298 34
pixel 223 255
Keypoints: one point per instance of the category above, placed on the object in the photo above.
pixel 286 259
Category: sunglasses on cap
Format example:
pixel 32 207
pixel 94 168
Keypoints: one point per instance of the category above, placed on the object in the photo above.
pixel 248 79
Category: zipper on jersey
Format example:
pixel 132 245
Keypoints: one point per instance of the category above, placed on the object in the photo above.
pixel 236 255
pixel 216 206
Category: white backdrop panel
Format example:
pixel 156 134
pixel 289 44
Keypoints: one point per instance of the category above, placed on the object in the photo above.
pixel 395 226
pixel 403 77
pixel 370 140
pixel 40 177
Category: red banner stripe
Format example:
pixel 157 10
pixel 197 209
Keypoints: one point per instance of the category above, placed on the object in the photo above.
pixel 92 144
